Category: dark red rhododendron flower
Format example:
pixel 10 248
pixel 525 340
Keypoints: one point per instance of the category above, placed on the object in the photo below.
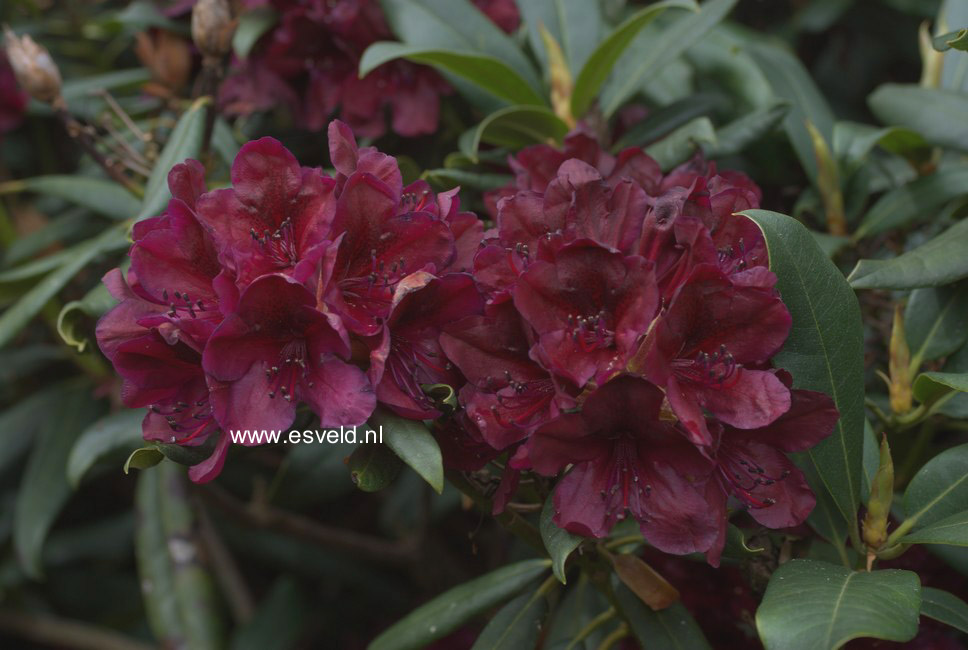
pixel 615 329
pixel 309 63
pixel 241 303
pixel 632 323
pixel 13 101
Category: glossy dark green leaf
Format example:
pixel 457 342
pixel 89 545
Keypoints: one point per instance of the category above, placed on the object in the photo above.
pixel 21 421
pixel 373 467
pixel 92 306
pixel 944 607
pixel 648 55
pixel 917 201
pixel 952 531
pixel 576 25
pixel 941 116
pixel 559 542
pixel 488 72
pixel 934 322
pixel 683 143
pixel 516 625
pixel 252 24
pixel 672 628
pixel 579 605
pixel 600 62
pixel 667 119
pixel 931 386
pixel 179 593
pixel 98 194
pixel 939 261
pixel 791 81
pixel 278 622
pixel 734 137
pixel 44 488
pixel 453 608
pixel 413 443
pixel 456 25
pixel 811 605
pixel 938 490
pixel 184 142
pixel 18 315
pixel 515 127
pixel 825 349
pixel 119 431
pixel 853 141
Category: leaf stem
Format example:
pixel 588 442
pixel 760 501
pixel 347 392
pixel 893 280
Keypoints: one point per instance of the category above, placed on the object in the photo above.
pixel 617 635
pixel 592 625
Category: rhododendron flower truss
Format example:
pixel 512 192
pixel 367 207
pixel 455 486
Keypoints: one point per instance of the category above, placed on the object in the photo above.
pixel 290 287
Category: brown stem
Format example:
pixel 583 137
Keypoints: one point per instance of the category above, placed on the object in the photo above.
pixel 227 571
pixel 213 70
pixel 262 515
pixel 82 136
pixel 63 633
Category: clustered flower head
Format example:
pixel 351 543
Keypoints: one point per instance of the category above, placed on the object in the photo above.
pixel 614 329
pixel 626 346
pixel 309 63
pixel 289 287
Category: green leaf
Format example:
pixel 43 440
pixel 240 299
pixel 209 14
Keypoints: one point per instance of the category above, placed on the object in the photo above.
pixel 18 315
pixel 576 26
pixel 811 605
pixel 118 431
pixel 734 137
pixel 664 120
pixel 69 321
pixel 279 620
pixel 459 26
pixel 23 419
pixel 488 72
pixel 934 322
pixel 952 531
pixel 373 467
pixel 97 194
pixel 448 611
pixel 515 127
pixel 737 547
pixel 647 55
pixel 179 594
pixel 251 26
pixel 957 40
pixel 413 443
pixel 516 625
pixel 791 81
pixel 184 142
pixel 853 141
pixel 872 460
pixel 559 542
pixel 941 116
pixel 919 200
pixel 944 607
pixel 600 62
pixel 672 628
pixel 830 244
pixel 937 262
pixel 36 267
pixel 825 349
pixel 681 144
pixel 44 488
pixel 143 458
pixel 938 490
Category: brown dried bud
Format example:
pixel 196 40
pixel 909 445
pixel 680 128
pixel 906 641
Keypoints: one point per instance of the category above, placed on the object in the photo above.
pixel 33 66
pixel 213 27
pixel 167 55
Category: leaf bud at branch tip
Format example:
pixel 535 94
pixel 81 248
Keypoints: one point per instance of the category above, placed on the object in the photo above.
pixel 879 504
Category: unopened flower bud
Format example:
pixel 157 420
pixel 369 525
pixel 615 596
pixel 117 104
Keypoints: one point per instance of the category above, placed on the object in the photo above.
pixel 33 66
pixel 879 503
pixel 899 366
pixel 213 27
